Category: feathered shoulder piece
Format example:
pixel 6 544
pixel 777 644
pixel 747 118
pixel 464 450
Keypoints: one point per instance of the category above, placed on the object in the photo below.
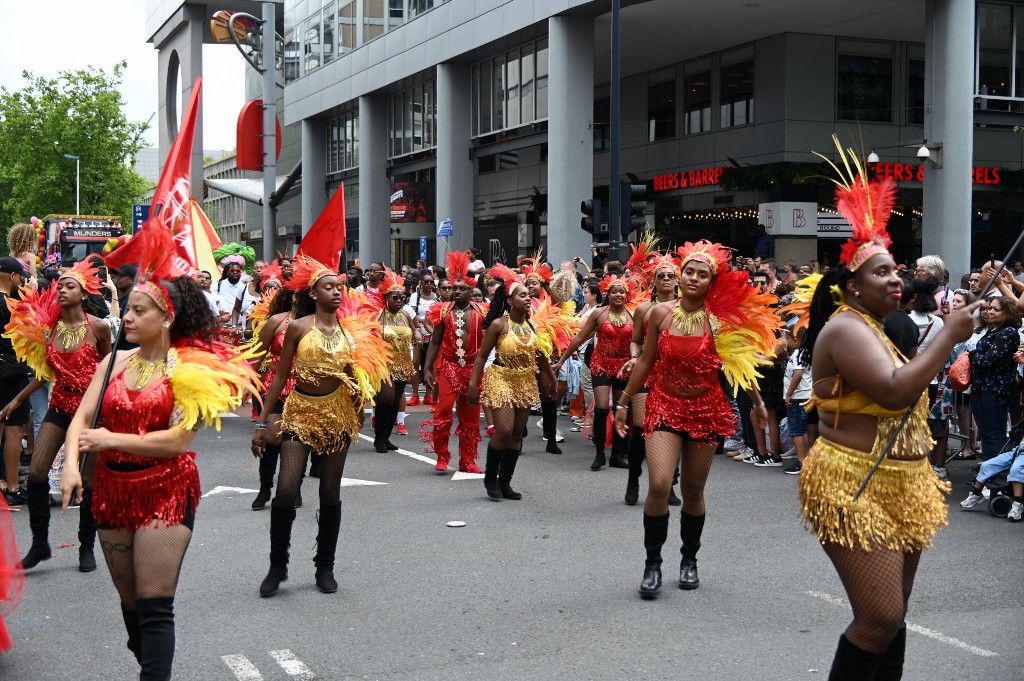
pixel 563 285
pixel 639 264
pixel 437 312
pixel 510 278
pixel 801 305
pixel 555 327
pixel 370 352
pixel 258 314
pixel 716 256
pixel 457 264
pixel 208 381
pixel 866 204
pixel 306 271
pixel 32 318
pixel 747 326
pixel 86 274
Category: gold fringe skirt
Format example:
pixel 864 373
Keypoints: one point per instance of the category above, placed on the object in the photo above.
pixel 327 423
pixel 901 509
pixel 506 387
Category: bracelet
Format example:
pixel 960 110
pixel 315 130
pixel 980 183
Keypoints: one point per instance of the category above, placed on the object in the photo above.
pixel 627 396
pixel 759 405
pixel 621 406
pixel 260 425
pixel 634 356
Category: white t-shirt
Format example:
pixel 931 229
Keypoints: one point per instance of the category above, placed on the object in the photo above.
pixel 227 293
pixel 477 267
pixel 928 327
pixel 213 301
pixel 802 392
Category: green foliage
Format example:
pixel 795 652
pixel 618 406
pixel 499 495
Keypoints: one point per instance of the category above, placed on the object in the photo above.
pixel 768 176
pixel 80 113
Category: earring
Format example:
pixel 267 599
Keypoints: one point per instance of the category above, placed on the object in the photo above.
pixel 312 295
pixel 166 325
pixel 857 293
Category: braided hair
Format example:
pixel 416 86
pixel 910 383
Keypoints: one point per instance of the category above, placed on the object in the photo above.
pixel 821 309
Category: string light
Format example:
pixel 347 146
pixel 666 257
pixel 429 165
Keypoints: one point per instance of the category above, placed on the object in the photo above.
pixel 745 212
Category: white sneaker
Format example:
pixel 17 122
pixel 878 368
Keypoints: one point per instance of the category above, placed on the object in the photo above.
pixel 972 500
pixel 732 445
pixel 789 453
pixel 986 492
pixel 1016 512
pixel 940 472
pixel 558 436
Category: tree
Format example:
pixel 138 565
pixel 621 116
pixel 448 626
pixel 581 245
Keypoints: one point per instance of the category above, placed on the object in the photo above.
pixel 80 113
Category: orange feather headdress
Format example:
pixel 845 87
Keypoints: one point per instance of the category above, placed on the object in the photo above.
pixel 391 282
pixel 866 205
pixel 714 255
pixel 507 276
pixel 457 264
pixel 639 264
pixel 533 268
pixel 86 274
pixel 306 272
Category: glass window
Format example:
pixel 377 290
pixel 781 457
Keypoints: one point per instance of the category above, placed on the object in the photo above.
pixel 526 89
pixel 417 119
pixel 292 57
pixel 602 126
pixel 864 87
pixel 396 125
pixel 311 43
pixel 995 42
pixel 512 89
pixel 417 7
pixel 396 13
pixel 343 143
pixel 736 88
pixel 429 116
pixel 407 122
pixel 499 94
pixel 915 92
pixel 486 79
pixel 328 32
pixel 661 105
pixel 346 26
pixel 697 102
pixel 542 79
pixel 373 19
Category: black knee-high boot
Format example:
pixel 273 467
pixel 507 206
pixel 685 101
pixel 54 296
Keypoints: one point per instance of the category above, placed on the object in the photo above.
pixel 618 457
pixel 382 421
pixel 636 450
pixel 393 414
pixel 268 468
pixel 549 419
pixel 86 534
pixel 281 520
pixel 655 534
pixel 505 472
pixel 38 494
pixel 156 628
pixel 690 529
pixel 890 667
pixel 600 430
pixel 326 547
pixel 852 663
pixel 131 625
pixel 492 466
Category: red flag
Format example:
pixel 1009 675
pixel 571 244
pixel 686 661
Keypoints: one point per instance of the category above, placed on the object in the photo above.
pixel 326 238
pixel 170 206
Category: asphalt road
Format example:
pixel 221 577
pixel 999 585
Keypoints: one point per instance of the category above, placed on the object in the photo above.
pixel 543 588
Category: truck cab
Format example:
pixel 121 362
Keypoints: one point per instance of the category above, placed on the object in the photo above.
pixel 75 237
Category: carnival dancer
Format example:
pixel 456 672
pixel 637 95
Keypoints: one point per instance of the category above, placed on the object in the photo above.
pixel 12 579
pixel 719 322
pixel 537 276
pixel 863 389
pixel 665 277
pixel 612 329
pixel 454 344
pixel 399 330
pixel 270 325
pixel 334 348
pixel 510 383
pixel 52 331
pixel 146 482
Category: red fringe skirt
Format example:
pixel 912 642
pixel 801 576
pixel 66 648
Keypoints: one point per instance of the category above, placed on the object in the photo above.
pixel 702 417
pixel 164 492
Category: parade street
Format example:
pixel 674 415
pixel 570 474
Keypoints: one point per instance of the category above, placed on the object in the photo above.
pixel 543 588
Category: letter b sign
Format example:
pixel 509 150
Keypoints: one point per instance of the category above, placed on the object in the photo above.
pixel 799 221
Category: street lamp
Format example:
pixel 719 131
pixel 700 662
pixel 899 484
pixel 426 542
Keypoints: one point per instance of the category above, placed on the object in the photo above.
pixel 77 208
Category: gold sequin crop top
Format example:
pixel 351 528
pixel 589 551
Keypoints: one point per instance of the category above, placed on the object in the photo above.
pixel 319 356
pixel 517 347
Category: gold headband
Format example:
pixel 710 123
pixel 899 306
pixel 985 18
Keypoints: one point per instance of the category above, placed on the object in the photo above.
pixel 156 294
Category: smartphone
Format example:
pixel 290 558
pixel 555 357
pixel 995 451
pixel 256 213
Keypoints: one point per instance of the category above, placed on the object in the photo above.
pixel 101 272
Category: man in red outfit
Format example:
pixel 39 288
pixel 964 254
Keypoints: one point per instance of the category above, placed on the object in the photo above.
pixel 454 344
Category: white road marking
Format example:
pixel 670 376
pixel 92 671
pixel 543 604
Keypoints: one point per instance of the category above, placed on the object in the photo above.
pixel 459 475
pixel 292 665
pixel 243 669
pixel 917 629
pixel 223 490
pixel 406 452
pixel 355 482
pixel 229 415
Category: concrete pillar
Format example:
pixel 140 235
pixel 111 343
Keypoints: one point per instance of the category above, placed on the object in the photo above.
pixel 374 184
pixel 314 170
pixel 454 166
pixel 949 120
pixel 570 134
pixel 181 47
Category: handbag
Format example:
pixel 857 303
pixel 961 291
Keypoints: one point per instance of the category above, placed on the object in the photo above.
pixel 960 373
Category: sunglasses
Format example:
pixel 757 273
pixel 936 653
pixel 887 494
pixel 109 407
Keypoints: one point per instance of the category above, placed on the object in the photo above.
pixel 446 288
pixel 665 275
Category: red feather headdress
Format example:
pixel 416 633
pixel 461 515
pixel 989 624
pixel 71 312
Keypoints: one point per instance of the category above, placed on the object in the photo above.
pixel 669 260
pixel 532 270
pixel 272 272
pixel 457 264
pixel 307 272
pixel 390 282
pixel 510 278
pixel 86 274
pixel 866 205
pixel 714 255
pixel 639 264
pixel 156 253
pixel 631 285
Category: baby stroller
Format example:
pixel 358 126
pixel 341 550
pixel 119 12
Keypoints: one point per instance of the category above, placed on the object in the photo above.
pixel 1000 490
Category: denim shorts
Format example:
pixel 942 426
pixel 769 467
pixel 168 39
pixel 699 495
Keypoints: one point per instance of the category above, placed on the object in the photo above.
pixel 796 419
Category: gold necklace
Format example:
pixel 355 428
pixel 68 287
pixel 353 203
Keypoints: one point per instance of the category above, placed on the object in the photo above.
pixel 144 370
pixel 331 344
pixel 520 330
pixel 394 318
pixel 689 323
pixel 619 319
pixel 70 338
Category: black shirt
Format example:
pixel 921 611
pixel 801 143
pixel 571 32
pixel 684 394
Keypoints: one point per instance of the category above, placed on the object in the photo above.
pixel 9 364
pixel 902 331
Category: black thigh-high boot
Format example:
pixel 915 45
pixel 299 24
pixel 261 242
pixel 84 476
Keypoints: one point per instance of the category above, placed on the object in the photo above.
pixel 505 472
pixel 156 629
pixel 382 422
pixel 281 520
pixel 852 663
pixel 38 494
pixel 86 534
pixel 690 529
pixel 636 450
pixel 655 534
pixel 890 667
pixel 600 430
pixel 268 468
pixel 492 465
pixel 549 419
pixel 618 457
pixel 326 547
pixel 131 625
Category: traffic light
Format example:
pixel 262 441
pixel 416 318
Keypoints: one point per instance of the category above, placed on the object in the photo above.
pixel 633 207
pixel 591 220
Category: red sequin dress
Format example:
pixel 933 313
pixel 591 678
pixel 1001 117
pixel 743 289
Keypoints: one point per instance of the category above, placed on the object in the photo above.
pixel 688 364
pixel 72 372
pixel 131 490
pixel 12 578
pixel 611 349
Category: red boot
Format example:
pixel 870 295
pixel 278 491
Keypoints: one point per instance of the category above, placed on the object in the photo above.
pixel 442 462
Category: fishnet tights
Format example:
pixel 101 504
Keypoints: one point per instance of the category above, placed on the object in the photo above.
pixel 48 442
pixel 639 405
pixel 293 466
pixel 273 434
pixel 508 427
pixel 601 396
pixel 663 454
pixel 145 563
pixel 878 584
